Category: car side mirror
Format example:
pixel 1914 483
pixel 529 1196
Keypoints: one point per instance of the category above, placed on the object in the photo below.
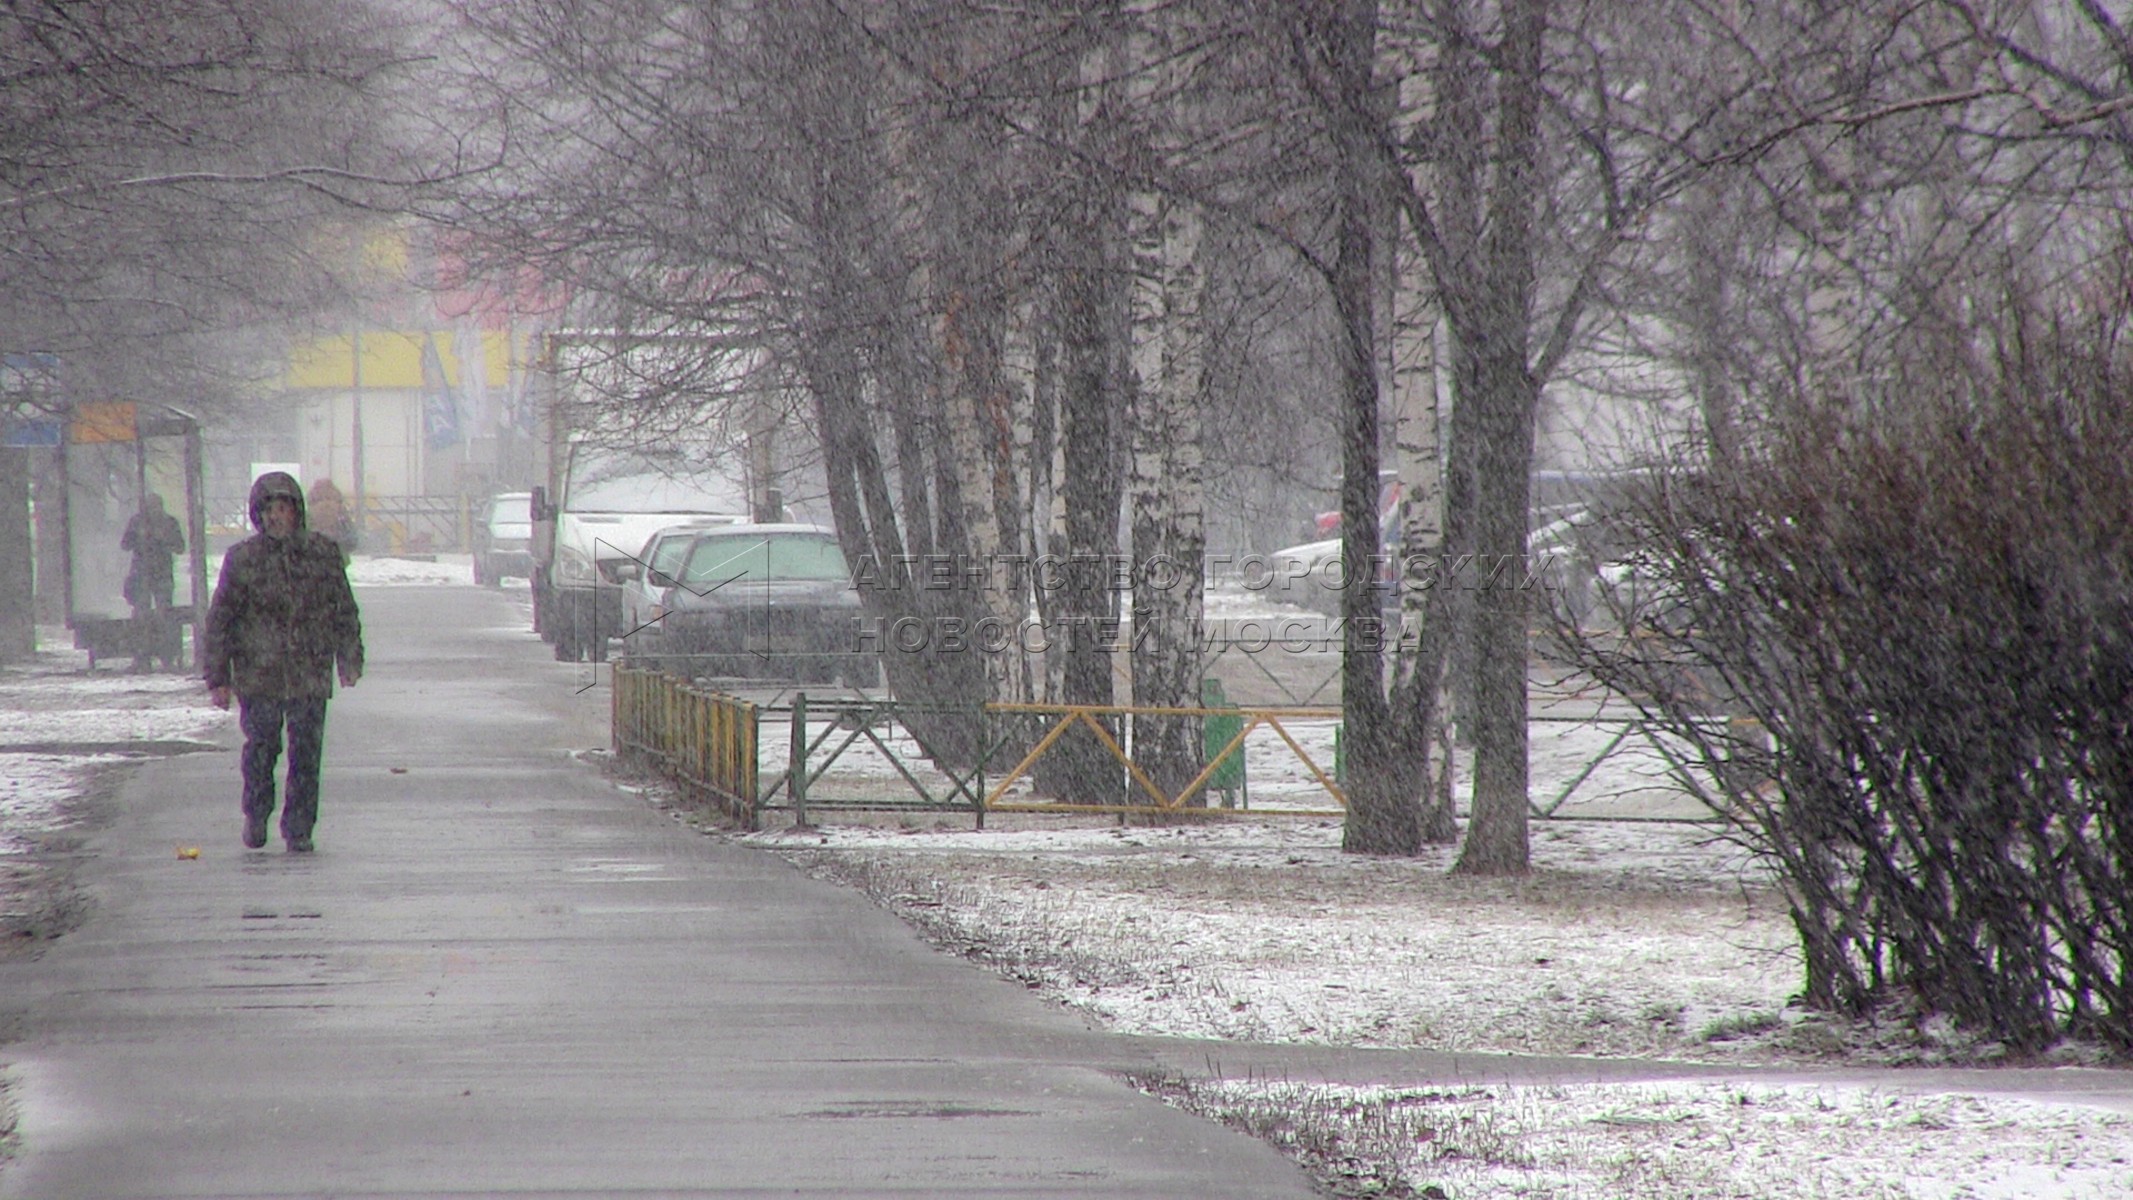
pixel 660 579
pixel 625 572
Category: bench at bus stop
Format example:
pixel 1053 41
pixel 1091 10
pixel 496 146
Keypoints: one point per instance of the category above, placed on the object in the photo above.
pixel 158 635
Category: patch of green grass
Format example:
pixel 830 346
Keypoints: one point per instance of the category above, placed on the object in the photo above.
pixel 1743 1025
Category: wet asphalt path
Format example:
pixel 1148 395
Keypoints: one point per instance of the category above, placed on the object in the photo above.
pixel 498 976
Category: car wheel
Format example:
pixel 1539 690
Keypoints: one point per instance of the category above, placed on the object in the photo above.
pixel 567 643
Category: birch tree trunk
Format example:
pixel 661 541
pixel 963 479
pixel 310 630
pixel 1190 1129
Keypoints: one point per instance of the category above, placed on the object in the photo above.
pixel 1420 736
pixel 1168 534
pixel 1170 383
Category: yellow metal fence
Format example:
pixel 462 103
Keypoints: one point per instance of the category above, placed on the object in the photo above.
pixel 1060 719
pixel 703 740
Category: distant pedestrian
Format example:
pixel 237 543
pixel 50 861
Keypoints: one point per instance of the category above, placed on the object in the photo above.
pixel 153 538
pixel 283 618
pixel 329 515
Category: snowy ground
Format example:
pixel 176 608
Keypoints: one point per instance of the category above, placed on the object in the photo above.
pixel 1649 939
pixel 1629 940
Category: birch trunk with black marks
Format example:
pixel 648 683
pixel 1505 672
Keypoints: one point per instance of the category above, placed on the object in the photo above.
pixel 1169 389
pixel 1168 534
pixel 1420 735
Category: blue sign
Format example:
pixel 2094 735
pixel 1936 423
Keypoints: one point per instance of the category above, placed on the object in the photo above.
pixel 31 432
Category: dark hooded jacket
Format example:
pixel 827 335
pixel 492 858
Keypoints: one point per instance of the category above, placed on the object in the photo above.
pixel 283 612
pixel 152 536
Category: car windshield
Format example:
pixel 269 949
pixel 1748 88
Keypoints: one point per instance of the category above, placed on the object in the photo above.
pixel 764 557
pixel 782 556
pixel 666 556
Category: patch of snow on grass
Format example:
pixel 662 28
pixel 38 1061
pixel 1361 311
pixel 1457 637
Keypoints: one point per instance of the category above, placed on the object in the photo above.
pixel 1654 941
pixel 1664 1141
pixel 1267 932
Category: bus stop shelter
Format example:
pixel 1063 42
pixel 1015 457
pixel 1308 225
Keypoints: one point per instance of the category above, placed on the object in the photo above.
pixel 115 454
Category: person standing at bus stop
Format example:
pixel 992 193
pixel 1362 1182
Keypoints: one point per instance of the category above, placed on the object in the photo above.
pixel 153 538
pixel 282 624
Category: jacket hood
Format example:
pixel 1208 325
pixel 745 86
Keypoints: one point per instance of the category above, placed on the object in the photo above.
pixel 271 484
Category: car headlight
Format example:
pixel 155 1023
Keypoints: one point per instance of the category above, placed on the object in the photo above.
pixel 573 567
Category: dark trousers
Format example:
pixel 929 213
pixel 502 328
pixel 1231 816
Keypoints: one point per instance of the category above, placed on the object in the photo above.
pixel 264 718
pixel 150 595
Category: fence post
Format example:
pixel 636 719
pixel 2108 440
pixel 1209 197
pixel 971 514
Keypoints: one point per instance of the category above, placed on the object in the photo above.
pixel 796 771
pixel 752 813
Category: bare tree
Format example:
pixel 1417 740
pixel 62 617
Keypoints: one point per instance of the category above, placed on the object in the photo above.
pixel 166 171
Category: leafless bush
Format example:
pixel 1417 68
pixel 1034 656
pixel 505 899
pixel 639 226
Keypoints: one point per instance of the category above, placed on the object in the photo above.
pixel 1899 631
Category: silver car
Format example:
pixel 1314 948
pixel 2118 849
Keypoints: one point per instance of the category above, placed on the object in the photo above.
pixel 765 602
pixel 645 578
pixel 503 540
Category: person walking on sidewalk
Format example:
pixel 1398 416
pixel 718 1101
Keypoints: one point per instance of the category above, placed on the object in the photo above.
pixel 282 621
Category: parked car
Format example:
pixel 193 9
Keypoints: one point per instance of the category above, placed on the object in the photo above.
pixel 1390 490
pixel 1563 552
pixel 1309 575
pixel 502 538
pixel 761 601
pixel 645 579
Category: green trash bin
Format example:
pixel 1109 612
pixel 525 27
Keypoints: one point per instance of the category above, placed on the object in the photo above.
pixel 1215 732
